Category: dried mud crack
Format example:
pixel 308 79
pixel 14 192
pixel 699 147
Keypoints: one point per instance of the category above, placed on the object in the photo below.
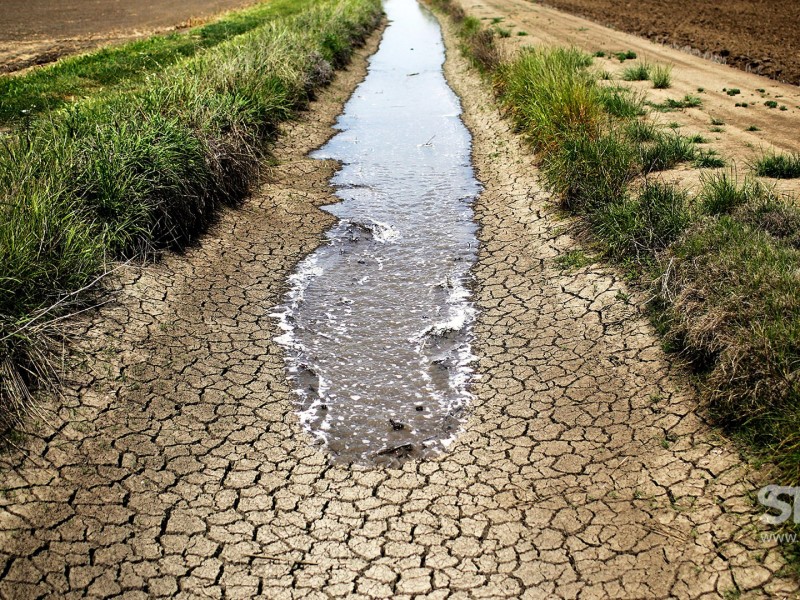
pixel 174 466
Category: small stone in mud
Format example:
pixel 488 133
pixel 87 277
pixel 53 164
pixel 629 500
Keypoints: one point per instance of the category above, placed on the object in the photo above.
pixel 396 425
pixel 420 408
pixel 361 261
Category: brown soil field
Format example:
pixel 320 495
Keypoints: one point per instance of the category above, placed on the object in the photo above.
pixel 36 32
pixel 738 134
pixel 755 35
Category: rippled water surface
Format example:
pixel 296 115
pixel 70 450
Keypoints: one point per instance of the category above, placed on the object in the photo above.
pixel 376 326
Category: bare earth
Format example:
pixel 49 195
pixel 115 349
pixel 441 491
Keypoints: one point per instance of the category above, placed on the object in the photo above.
pixel 777 129
pixel 174 466
pixel 40 31
pixel 757 35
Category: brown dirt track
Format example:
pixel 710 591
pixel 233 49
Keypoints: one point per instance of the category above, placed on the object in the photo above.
pixel 759 35
pixel 40 31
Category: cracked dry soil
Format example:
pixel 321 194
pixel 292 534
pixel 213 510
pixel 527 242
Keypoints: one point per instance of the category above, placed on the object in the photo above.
pixel 174 466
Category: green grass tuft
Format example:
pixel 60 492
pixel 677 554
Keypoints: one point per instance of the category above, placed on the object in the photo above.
pixel 623 56
pixel 708 159
pixel 661 76
pixel 671 104
pixel 587 171
pixel 778 166
pixel 573 260
pixel 640 72
pixel 622 102
pixel 721 193
pixel 550 94
pixel 665 151
pixel 641 131
pixel 637 229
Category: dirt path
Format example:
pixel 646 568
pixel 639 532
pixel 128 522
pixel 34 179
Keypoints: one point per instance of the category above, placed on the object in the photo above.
pixel 36 32
pixel 776 129
pixel 176 468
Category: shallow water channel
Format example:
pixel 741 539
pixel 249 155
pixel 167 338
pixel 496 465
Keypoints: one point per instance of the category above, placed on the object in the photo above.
pixel 377 322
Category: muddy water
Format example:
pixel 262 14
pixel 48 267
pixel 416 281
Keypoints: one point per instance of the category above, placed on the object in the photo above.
pixel 377 323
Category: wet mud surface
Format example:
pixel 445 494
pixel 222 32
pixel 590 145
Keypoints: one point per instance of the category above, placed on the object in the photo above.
pixel 176 467
pixel 758 36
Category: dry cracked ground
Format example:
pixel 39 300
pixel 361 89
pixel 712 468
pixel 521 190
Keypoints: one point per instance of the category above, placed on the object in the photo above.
pixel 174 465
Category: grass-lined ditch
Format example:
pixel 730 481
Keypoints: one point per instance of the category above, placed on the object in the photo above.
pixel 722 267
pixel 115 176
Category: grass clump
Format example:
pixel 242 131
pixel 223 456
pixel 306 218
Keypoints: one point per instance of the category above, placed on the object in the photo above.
pixel 665 151
pixel 670 104
pixel 688 101
pixel 640 72
pixel 641 130
pixel 622 102
pixel 722 193
pixel 573 260
pixel 661 76
pixel 766 211
pixel 778 166
pixel 626 55
pixel 478 43
pixel 635 229
pixel 587 172
pixel 551 95
pixel 708 159
pixel 554 99
pixel 117 176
